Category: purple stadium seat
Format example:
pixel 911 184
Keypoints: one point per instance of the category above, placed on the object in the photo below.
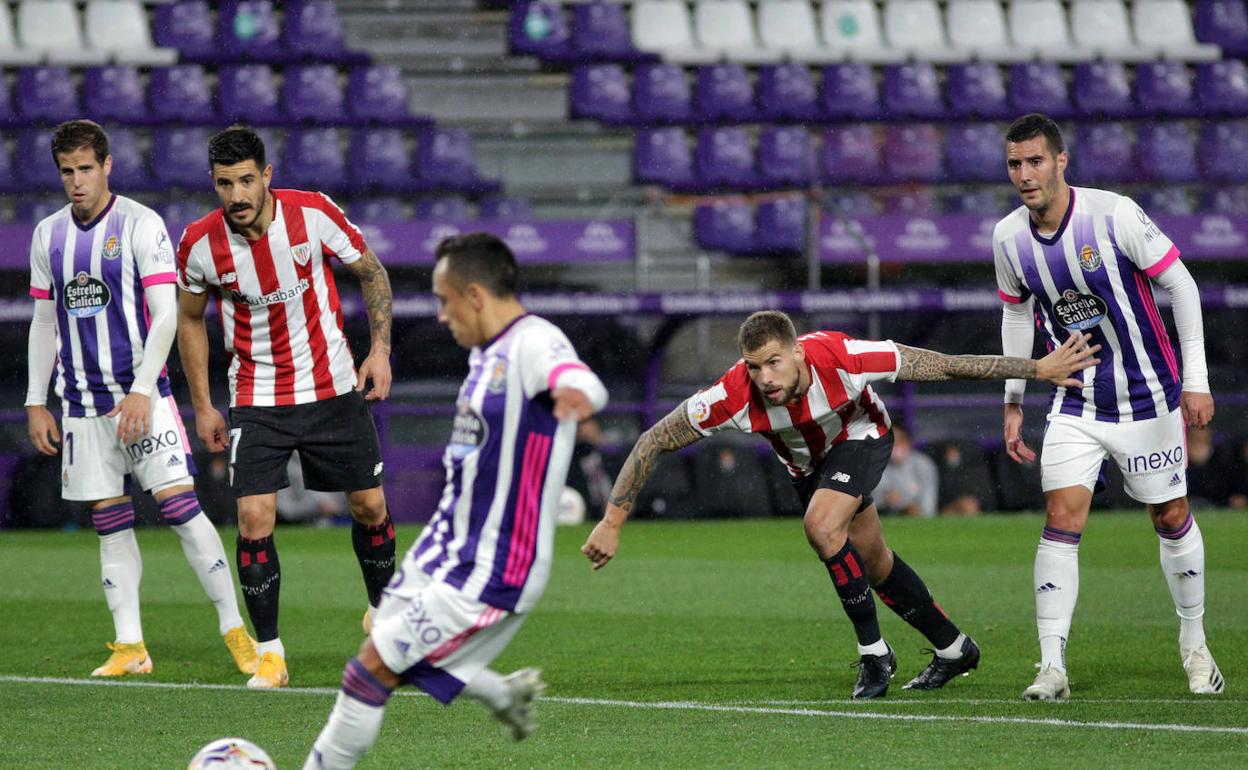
pixel 443 209
pixel 312 30
pixel 912 91
pixel 780 225
pixel 380 159
pixel 180 156
pixel 851 204
pixel 661 93
pixel 113 93
pixel 32 210
pixel 1227 200
pixel 787 92
pixel 497 207
pixel 179 93
pixel 33 159
pixel 725 225
pixel 1164 88
pixel 1165 199
pixel 849 91
pixel 919 202
pixel 913 152
pixel 313 159
pixel 662 156
pixel 983 201
pixel 129 163
pixel 977 90
pixel 378 94
pixel 851 154
pixel 382 209
pixel 1101 89
pixel 1224 151
pixel 724 158
pixel 8 115
pixel 786 157
pixel 445 159
pixel 247 30
pixel 1166 152
pixel 46 94
pixel 1039 87
pixel 539 28
pixel 1222 87
pixel 600 31
pixel 1224 22
pixel 8 172
pixel 975 153
pixel 312 94
pixel 180 213
pixel 185 25
pixel 724 92
pixel 1103 152
pixel 600 92
pixel 248 93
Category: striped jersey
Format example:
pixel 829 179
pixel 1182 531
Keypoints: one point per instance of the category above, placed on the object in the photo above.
pixel 96 273
pixel 1092 276
pixel 839 405
pixel 280 313
pixel 506 465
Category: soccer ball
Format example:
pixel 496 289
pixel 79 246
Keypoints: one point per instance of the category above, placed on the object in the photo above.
pixel 571 510
pixel 231 754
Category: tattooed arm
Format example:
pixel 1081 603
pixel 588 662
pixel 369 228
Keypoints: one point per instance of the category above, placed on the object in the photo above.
pixel 378 302
pixel 669 434
pixel 1057 367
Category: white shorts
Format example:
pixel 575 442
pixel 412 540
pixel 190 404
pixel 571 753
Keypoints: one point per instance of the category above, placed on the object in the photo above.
pixel 95 463
pixel 1152 455
pixel 436 638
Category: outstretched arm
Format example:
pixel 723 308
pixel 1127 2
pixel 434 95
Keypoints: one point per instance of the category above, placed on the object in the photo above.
pixel 928 365
pixel 379 303
pixel 667 435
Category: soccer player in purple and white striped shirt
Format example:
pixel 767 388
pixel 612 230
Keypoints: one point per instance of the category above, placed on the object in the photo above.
pixel 1075 260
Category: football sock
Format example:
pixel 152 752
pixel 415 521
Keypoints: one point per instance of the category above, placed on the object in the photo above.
pixel 374 548
pixel 353 724
pixel 954 650
pixel 260 577
pixel 850 579
pixel 490 688
pixel 121 569
pixel 204 552
pixel 1183 562
pixel 905 594
pixel 1057 589
pixel 271 645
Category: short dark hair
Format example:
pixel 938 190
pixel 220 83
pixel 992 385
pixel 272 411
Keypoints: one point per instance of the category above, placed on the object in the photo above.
pixel 763 327
pixel 76 134
pixel 1035 124
pixel 480 258
pixel 235 145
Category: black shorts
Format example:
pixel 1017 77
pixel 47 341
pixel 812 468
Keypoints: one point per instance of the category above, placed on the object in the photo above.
pixel 336 440
pixel 852 467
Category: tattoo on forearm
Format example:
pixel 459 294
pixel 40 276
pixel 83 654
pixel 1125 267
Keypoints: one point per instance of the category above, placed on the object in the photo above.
pixel 669 434
pixel 928 365
pixel 378 299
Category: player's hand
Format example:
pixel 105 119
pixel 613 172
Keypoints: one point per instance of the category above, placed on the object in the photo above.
pixel 1018 451
pixel 41 427
pixel 571 403
pixel 212 429
pixel 134 417
pixel 1197 408
pixel 377 368
pixel 603 542
pixel 1074 355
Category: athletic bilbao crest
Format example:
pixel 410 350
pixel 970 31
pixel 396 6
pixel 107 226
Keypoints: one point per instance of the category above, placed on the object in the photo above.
pixel 1089 259
pixel 302 252
pixel 1078 312
pixel 112 248
pixel 85 296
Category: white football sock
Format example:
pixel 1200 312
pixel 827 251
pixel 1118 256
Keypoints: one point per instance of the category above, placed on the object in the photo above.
pixel 953 650
pixel 350 732
pixel 121 571
pixel 206 555
pixel 489 688
pixel 1183 562
pixel 1057 589
pixel 876 648
pixel 273 645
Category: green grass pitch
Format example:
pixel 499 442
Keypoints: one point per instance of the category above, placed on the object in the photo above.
pixel 703 645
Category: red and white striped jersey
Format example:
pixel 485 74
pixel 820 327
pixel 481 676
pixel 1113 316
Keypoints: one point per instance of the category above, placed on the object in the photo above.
pixel 279 305
pixel 839 406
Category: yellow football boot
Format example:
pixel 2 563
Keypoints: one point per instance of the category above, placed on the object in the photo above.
pixel 243 648
pixel 126 659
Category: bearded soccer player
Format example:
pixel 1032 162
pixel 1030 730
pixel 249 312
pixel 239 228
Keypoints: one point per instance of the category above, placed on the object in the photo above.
pixel 293 383
pixel 1076 261
pixel 102 275
pixel 811 398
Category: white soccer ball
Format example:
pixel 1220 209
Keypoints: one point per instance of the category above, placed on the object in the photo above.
pixel 571 510
pixel 231 754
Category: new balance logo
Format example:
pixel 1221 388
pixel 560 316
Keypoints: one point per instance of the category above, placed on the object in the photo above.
pixel 1187 574
pixel 1176 480
pixel 108 584
pixel 1048 588
pixel 841 476
pixel 217 567
pixel 173 462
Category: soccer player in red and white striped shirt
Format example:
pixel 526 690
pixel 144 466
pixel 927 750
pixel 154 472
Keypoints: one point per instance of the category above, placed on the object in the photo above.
pixel 811 397
pixel 264 255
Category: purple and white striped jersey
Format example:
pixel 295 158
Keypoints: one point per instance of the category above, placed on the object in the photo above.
pixel 506 465
pixel 96 273
pixel 1092 276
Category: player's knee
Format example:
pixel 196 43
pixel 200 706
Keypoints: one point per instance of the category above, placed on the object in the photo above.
pixel 822 534
pixel 368 506
pixel 255 520
pixel 1169 515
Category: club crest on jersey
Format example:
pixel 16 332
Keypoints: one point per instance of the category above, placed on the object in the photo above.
pixel 112 248
pixel 1089 259
pixel 85 296
pixel 302 252
pixel 1078 312
pixel 498 378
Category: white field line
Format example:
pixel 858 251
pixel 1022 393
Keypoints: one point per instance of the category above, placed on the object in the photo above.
pixel 921 701
pixel 681 706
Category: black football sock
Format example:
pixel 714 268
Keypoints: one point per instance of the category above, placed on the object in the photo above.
pixel 260 577
pixel 374 548
pixel 903 591
pixel 852 587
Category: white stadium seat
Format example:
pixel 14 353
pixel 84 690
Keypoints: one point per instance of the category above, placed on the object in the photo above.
pixel 789 26
pixel 663 27
pixel 1039 27
pixel 10 52
pixel 53 28
pixel 915 26
pixel 120 27
pixel 853 26
pixel 978 27
pixel 1167 26
pixel 727 27
pixel 1102 26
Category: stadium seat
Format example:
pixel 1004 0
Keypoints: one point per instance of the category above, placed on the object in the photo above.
pixel 787 92
pixel 10 52
pixel 981 201
pixel 1101 89
pixel 1165 199
pixel 8 172
pixel 181 212
pixel 912 91
pixel 113 93
pixel 378 94
pixel 54 28
pixel 600 92
pixel 789 26
pixel 32 156
pixel 852 28
pixel 129 171
pixel 977 28
pixel 185 26
pixel 1164 88
pixel 725 225
pixel 120 28
pixel 247 30
pixel 8 113
pixel 975 153
pixel 511 207
pixel 1227 200
pixel 850 91
pixel 1103 152
pixel 661 94
pixel 1222 87
pixel 1223 23
pixel 248 93
pixel 448 208
pixel 726 27
pixel 663 27
pixel 180 156
pixel 780 225
pixel 1102 27
pixel 724 92
pixel 1039 87
pixel 539 28
pixel 33 209
pixel 851 154
pixel 1027 16
pixel 380 209
pixel 662 156
pixel 917 27
pixel 313 159
pixel 723 158
pixel 445 159
pixel 46 94
pixel 786 157
pixel 600 31
pixel 380 160
pixel 1166 152
pixel 911 201
pixel 976 89
pixel 913 152
pixel 312 30
pixel 179 93
pixel 1223 151
pixel 852 204
pixel 311 93
pixel 1166 26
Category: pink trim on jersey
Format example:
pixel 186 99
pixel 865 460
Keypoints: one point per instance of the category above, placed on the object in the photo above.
pixel 177 417
pixel 528 509
pixel 38 293
pixel 489 617
pixel 560 369
pixel 1010 298
pixel 1154 320
pixel 1164 262
pixel 155 279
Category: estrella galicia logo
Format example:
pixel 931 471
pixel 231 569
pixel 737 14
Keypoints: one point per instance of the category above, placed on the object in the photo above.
pixel 85 296
pixel 1077 311
pixel 1089 258
pixel 468 432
